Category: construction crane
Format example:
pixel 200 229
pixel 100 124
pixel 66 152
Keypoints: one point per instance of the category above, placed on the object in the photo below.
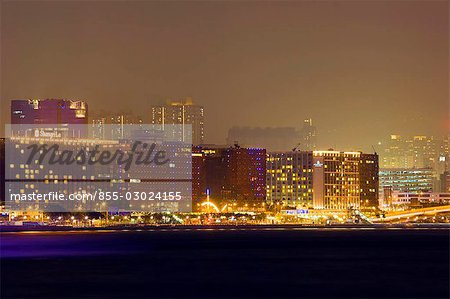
pixel 374 151
pixel 296 147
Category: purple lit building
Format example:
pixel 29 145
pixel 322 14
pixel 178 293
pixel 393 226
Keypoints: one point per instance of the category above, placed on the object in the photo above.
pixel 49 111
pixel 234 176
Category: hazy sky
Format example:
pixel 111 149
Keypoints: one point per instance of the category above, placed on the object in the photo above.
pixel 361 70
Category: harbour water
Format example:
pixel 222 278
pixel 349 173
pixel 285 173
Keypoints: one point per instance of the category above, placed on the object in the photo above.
pixel 226 263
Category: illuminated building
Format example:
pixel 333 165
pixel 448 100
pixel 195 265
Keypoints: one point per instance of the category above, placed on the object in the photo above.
pixel 369 180
pixel 308 135
pixel 322 179
pixel 183 112
pixel 405 200
pixel 409 180
pixel 232 175
pixel 415 152
pixel 445 182
pixel 336 180
pixel 289 179
pixel 37 177
pixel 49 111
pixel 114 123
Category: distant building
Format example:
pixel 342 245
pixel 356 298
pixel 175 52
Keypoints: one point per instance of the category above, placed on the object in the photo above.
pixel 308 135
pixel 272 139
pixel 231 175
pixel 275 139
pixel 184 113
pixel 445 182
pixel 415 152
pixel 103 122
pixel 49 111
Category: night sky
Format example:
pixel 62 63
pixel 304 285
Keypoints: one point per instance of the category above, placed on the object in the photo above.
pixel 361 70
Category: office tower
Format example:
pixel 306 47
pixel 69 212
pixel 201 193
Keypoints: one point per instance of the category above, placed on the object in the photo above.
pixel 394 154
pixel 49 111
pixel 232 176
pixel 111 125
pixel 369 180
pixel 308 136
pixel 407 180
pixel 184 113
pixel 416 152
pixel 336 180
pixel 289 179
pixel 423 151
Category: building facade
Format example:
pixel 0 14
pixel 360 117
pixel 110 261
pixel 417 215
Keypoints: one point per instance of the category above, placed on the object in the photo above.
pixel 184 113
pixel 369 180
pixel 322 179
pixel 405 200
pixel 231 176
pixel 409 180
pixel 289 179
pixel 49 111
pixel 336 180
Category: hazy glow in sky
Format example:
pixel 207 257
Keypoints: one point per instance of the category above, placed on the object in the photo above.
pixel 361 70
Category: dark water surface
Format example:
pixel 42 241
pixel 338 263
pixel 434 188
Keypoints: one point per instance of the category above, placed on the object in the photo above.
pixel 226 263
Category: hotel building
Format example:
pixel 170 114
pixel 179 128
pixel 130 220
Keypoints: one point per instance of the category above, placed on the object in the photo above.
pixel 336 180
pixel 329 180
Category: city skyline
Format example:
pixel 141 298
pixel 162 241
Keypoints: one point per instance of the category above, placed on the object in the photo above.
pixel 362 77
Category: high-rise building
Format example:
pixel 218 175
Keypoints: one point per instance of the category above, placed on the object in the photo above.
pixel 49 111
pixel 229 175
pixel 289 179
pixel 423 151
pixel 394 153
pixel 308 136
pixel 369 180
pixel 322 179
pixel 336 180
pixel 184 113
pixel 112 124
pixel 416 152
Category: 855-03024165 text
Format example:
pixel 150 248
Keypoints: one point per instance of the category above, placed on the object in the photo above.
pixel 98 195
